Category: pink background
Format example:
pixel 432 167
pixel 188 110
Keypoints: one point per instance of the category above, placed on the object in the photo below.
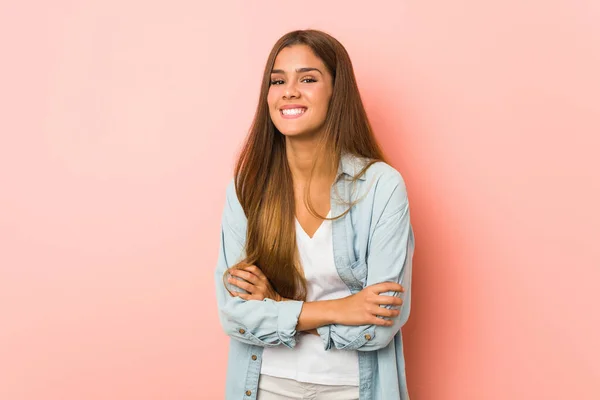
pixel 119 124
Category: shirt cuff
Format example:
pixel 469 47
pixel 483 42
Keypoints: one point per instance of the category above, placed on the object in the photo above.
pixel 325 334
pixel 287 320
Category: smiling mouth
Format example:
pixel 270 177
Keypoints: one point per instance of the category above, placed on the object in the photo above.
pixel 292 112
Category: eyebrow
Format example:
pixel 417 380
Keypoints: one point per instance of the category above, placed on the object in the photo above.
pixel 300 70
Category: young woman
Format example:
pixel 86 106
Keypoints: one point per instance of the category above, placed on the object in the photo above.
pixel 314 270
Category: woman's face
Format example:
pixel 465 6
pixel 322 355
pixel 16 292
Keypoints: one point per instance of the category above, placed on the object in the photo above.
pixel 299 93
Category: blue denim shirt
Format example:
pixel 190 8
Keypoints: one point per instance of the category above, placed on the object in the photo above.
pixel 373 243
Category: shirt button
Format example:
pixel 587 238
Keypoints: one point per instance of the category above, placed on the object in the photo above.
pixel 242 331
pixel 248 393
pixel 254 357
pixel 368 337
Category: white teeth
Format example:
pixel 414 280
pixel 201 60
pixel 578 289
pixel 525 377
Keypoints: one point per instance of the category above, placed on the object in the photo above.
pixel 293 111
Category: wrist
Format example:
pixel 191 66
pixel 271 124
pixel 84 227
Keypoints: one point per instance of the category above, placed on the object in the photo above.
pixel 334 311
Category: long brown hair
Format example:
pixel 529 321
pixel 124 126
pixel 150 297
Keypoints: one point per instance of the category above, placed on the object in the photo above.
pixel 263 178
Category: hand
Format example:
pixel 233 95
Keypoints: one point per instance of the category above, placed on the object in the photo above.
pixel 254 282
pixel 364 306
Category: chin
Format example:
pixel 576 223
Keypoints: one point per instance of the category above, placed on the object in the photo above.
pixel 292 132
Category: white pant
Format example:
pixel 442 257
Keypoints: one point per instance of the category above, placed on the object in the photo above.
pixel 272 388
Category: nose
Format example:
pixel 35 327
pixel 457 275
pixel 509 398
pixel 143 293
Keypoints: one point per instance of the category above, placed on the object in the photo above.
pixel 291 91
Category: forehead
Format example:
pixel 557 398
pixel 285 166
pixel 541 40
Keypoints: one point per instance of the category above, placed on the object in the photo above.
pixel 297 56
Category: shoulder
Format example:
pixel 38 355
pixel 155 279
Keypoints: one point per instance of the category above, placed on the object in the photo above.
pixel 385 175
pixel 353 165
pixel 382 177
pixel 387 186
pixel 230 192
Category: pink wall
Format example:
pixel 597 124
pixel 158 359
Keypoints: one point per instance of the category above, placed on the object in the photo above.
pixel 119 123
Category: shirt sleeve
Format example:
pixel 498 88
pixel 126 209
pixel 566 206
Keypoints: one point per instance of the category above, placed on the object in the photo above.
pixel 389 260
pixel 263 323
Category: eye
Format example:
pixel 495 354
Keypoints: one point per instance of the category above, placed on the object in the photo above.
pixel 277 82
pixel 308 79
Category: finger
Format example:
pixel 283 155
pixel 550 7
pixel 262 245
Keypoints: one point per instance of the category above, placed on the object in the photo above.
pixel 387 300
pixel 241 295
pixel 240 273
pixel 387 287
pixel 382 322
pixel 248 287
pixel 255 271
pixel 385 312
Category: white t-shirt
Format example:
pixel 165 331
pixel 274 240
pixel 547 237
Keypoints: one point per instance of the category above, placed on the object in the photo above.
pixel 308 361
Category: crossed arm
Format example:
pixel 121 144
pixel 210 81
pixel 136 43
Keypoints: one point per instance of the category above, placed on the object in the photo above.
pixel 252 312
pixel 361 308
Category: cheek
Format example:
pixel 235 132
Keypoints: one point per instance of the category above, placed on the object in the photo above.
pixel 319 95
pixel 321 99
pixel 270 99
pixel 271 102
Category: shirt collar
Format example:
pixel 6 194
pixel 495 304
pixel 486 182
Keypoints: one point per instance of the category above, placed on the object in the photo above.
pixel 350 165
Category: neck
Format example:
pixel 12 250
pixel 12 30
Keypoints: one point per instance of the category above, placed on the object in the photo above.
pixel 301 155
